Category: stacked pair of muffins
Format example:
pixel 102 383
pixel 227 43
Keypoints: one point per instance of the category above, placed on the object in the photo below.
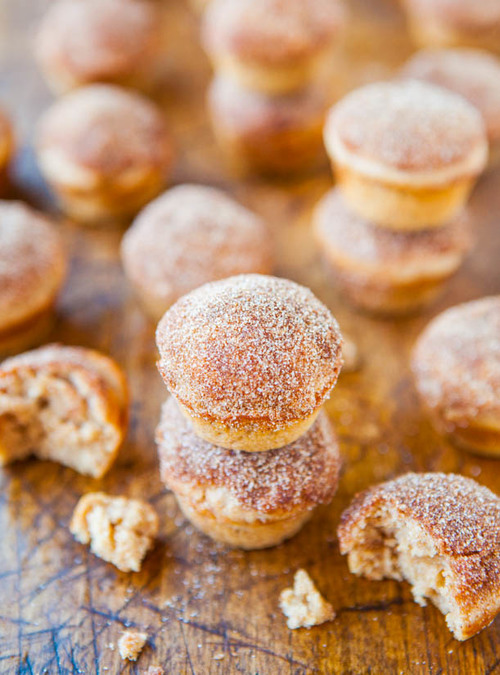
pixel 242 442
pixel 406 156
pixel 266 101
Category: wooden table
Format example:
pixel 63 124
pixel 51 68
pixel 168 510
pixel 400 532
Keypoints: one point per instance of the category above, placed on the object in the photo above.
pixel 207 609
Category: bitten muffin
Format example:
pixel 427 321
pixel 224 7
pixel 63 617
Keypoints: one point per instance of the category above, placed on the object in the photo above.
pixel 105 152
pixel 250 359
pixel 115 41
pixel 441 533
pixel 6 149
pixel 65 404
pixel 382 270
pixel 247 499
pixel 455 23
pixel 406 154
pixel 456 365
pixel 189 236
pixel 270 45
pixel 280 134
pixel 472 73
pixel 32 271
pixel 119 530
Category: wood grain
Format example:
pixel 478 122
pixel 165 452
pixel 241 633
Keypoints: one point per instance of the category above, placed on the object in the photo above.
pixel 208 609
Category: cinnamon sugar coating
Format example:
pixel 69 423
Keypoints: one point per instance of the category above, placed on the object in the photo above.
pixel 301 475
pixel 273 32
pixel 250 348
pixel 456 364
pixel 410 126
pixel 439 531
pixel 191 235
pixel 32 263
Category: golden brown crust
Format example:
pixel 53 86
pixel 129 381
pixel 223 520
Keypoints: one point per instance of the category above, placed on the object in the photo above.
pixel 462 520
pixel 456 364
pixel 271 32
pixel 250 348
pixel 98 40
pixel 32 264
pixel 276 483
pixel 189 236
pixel 476 18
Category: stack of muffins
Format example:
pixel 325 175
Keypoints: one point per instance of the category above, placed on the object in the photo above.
pixel 242 442
pixel 406 156
pixel 266 101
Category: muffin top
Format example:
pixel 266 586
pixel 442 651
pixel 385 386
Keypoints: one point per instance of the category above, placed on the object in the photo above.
pixel 32 262
pixel 472 73
pixel 250 348
pixel 401 254
pixel 407 131
pixel 456 361
pixel 299 475
pixel 104 129
pixel 191 235
pixel 98 40
pixel 271 32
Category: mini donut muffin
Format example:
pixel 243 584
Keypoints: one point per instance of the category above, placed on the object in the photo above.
pixel 382 270
pixel 115 41
pixel 455 23
pixel 105 152
pixel 32 271
pixel 250 359
pixel 456 364
pixel 473 74
pixel 188 236
pixel 247 499
pixel 6 149
pixel 406 154
pixel 270 45
pixel 441 533
pixel 65 404
pixel 280 134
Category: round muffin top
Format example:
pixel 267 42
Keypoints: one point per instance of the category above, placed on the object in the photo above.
pixel 407 129
pixel 105 129
pixel 271 32
pixel 252 112
pixel 472 73
pixel 461 516
pixel 344 234
pixel 32 263
pixel 299 475
pixel 250 348
pixel 456 361
pixel 98 40
pixel 191 235
pixel 470 16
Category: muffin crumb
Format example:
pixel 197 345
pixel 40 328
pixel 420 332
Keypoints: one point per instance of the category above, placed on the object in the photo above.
pixel 303 605
pixel 131 644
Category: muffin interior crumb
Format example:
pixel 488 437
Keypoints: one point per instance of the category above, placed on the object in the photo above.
pixel 303 604
pixel 131 644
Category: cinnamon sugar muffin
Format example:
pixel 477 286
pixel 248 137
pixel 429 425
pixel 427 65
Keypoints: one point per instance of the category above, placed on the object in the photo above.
pixel 188 236
pixel 32 271
pixel 455 23
pixel 6 149
pixel 65 404
pixel 271 45
pixel 441 533
pixel 281 134
pixel 382 270
pixel 472 73
pixel 250 360
pixel 105 151
pixel 406 154
pixel 456 364
pixel 115 41
pixel 247 499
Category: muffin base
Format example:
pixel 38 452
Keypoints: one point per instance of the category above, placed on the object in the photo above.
pixel 243 535
pixel 475 436
pixel 248 437
pixel 428 31
pixel 400 207
pixel 27 334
